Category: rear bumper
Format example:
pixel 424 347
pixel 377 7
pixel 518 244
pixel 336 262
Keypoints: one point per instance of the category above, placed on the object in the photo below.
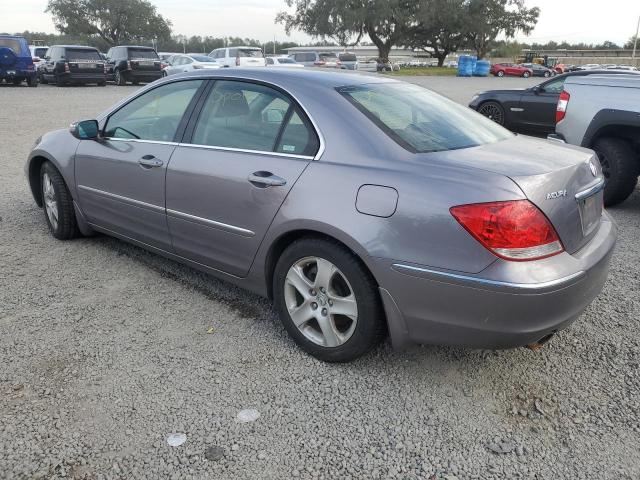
pixel 11 73
pixel 425 305
pixel 84 77
pixel 143 76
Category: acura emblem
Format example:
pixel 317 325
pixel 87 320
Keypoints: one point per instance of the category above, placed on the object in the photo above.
pixel 592 167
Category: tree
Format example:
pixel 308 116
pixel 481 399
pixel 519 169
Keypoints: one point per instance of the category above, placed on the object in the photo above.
pixel 490 18
pixel 385 22
pixel 114 21
pixel 629 45
pixel 607 45
pixel 440 28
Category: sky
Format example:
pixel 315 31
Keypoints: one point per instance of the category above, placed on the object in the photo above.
pixel 571 20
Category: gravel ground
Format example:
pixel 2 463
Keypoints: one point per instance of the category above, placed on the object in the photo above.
pixel 105 350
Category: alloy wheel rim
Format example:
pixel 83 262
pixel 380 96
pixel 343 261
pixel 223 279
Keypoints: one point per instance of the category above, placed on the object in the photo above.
pixel 50 200
pixel 321 302
pixel 492 112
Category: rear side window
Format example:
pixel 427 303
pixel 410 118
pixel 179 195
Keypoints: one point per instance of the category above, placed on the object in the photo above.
pixel 422 121
pixel 12 43
pixel 82 54
pixel 145 53
pixel 254 117
pixel 154 115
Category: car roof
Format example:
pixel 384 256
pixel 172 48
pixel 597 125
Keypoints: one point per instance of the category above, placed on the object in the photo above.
pixel 291 76
pixel 85 47
pixel 135 46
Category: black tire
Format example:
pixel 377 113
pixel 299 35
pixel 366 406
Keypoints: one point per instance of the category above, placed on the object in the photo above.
pixel 32 81
pixel 525 75
pixel 102 84
pixel 67 225
pixel 16 81
pixel 493 111
pixel 136 82
pixel 547 74
pixel 500 73
pixel 620 167
pixel 60 82
pixel 42 80
pixel 370 327
pixel 119 78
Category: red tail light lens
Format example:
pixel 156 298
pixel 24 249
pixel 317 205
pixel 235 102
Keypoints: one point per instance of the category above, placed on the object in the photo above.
pixel 66 68
pixel 563 103
pixel 514 230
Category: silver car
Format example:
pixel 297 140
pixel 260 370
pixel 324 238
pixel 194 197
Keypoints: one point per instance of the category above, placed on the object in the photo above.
pixel 182 63
pixel 362 206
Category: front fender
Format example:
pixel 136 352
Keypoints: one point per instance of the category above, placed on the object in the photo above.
pixel 59 148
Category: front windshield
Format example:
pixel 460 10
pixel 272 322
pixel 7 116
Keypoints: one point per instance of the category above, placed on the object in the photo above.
pixel 420 120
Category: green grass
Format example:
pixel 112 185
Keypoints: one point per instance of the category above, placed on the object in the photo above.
pixel 433 71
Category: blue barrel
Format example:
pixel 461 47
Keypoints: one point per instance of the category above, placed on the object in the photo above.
pixel 482 68
pixel 466 65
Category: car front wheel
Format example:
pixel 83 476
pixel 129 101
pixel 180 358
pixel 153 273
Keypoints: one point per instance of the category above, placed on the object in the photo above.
pixel 327 300
pixel 500 73
pixel 547 74
pixel 525 74
pixel 57 204
pixel 493 111
pixel 119 78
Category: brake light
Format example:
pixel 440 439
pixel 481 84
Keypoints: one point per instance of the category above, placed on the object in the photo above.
pixel 563 103
pixel 164 65
pixel 514 230
pixel 66 67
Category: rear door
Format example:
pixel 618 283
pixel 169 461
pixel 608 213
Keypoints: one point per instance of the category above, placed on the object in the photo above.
pixel 235 167
pixel 121 177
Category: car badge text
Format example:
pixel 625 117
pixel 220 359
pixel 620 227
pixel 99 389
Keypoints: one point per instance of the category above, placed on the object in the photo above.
pixel 558 194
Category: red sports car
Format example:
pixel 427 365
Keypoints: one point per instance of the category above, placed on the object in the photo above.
pixel 502 69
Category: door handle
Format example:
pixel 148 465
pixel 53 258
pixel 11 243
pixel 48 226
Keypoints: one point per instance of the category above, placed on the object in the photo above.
pixel 149 161
pixel 263 179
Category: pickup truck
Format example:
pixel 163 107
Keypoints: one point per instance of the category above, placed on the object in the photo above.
pixel 602 112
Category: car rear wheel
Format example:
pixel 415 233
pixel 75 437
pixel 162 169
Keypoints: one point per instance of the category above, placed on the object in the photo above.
pixel 60 82
pixel 547 74
pixel 327 300
pixel 119 78
pixel 493 111
pixel 500 73
pixel 32 81
pixel 525 74
pixel 16 81
pixel 57 203
pixel 620 168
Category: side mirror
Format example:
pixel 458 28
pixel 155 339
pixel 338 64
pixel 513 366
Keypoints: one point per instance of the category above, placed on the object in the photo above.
pixel 537 89
pixel 85 130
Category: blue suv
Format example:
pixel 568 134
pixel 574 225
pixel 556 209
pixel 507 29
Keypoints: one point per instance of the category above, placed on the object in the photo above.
pixel 16 64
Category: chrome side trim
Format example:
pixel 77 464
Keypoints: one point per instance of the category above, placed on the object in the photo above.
pixel 210 223
pixel 592 190
pixel 120 198
pixel 136 140
pixel 530 287
pixel 241 150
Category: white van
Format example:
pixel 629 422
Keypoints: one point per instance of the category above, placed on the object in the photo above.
pixel 239 57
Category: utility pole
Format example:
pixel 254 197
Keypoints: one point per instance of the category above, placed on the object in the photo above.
pixel 635 43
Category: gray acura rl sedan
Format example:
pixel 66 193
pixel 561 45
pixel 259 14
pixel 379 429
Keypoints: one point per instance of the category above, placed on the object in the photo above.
pixel 361 205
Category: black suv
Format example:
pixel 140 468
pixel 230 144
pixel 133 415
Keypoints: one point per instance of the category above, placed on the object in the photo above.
pixel 128 63
pixel 65 64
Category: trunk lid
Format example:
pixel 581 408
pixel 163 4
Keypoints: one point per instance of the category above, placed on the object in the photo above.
pixel 564 182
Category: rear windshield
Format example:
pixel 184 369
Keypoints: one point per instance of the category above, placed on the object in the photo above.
pixel 202 58
pixel 285 60
pixel 327 56
pixel 11 43
pixel 249 52
pixel 143 53
pixel 40 52
pixel 82 54
pixel 347 57
pixel 422 121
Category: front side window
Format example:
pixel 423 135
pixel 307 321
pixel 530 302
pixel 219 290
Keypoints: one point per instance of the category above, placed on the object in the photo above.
pixel 154 115
pixel 422 121
pixel 254 117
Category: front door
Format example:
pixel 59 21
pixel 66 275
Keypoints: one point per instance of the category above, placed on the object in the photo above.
pixel 226 183
pixel 121 177
pixel 538 109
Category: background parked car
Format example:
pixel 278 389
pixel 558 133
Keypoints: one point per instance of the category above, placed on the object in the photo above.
pixel 317 59
pixel 38 52
pixel 539 70
pixel 73 64
pixel 629 68
pixel 239 57
pixel 348 61
pixel 186 63
pixel 529 110
pixel 283 61
pixel 511 69
pixel 16 63
pixel 131 63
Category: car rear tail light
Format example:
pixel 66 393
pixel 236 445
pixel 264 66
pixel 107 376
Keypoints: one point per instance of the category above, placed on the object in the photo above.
pixel 514 230
pixel 128 65
pixel 319 64
pixel 164 65
pixel 237 61
pixel 66 67
pixel 563 103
